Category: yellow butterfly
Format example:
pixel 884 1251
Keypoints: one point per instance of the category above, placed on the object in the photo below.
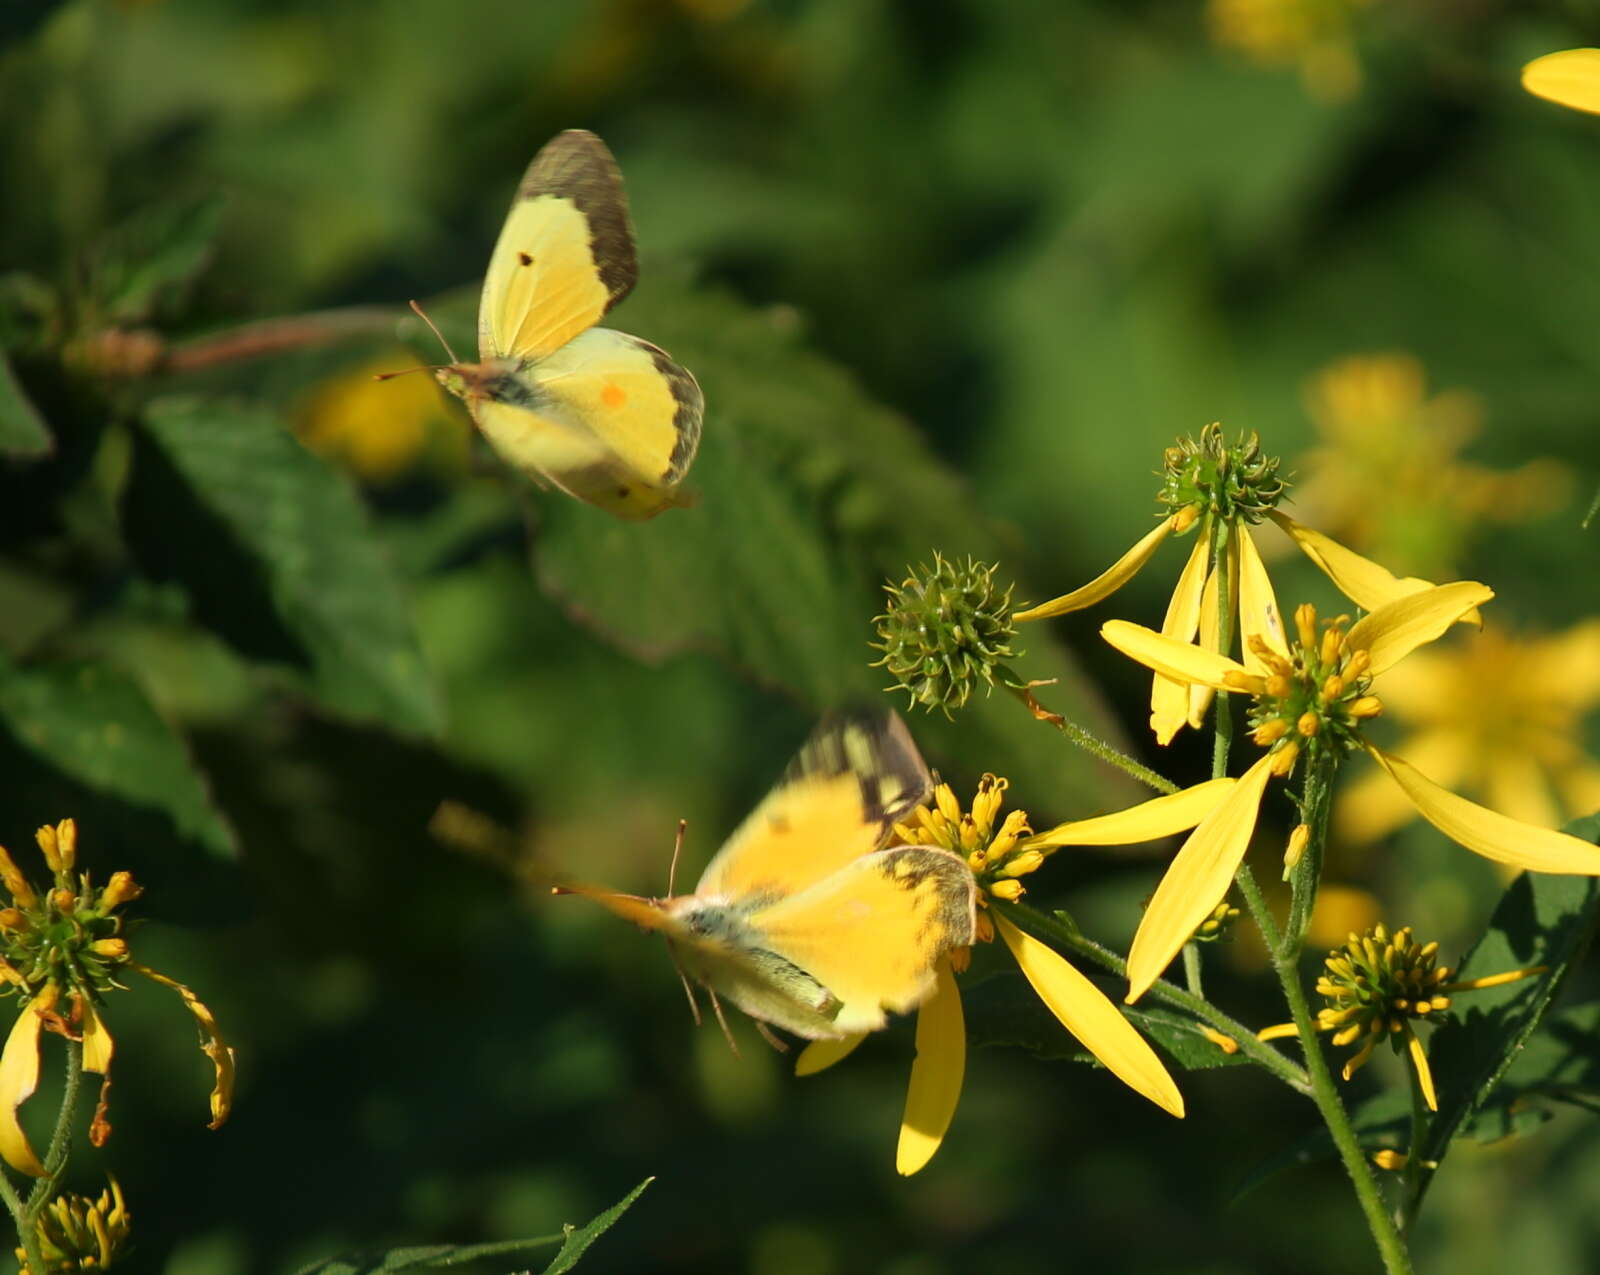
pixel 801 919
pixel 603 415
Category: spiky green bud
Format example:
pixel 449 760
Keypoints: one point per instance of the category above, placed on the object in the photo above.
pixel 1227 480
pixel 944 631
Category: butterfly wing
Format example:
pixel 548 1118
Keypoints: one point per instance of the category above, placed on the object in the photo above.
pixel 872 932
pixel 565 254
pixel 608 418
pixel 857 775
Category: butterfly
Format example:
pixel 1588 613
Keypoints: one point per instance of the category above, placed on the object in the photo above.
pixel 802 919
pixel 607 417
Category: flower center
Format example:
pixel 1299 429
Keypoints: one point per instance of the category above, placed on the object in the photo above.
pixel 1231 481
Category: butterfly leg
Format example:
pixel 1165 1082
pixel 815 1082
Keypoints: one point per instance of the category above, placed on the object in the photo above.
pixel 777 1042
pixel 722 1022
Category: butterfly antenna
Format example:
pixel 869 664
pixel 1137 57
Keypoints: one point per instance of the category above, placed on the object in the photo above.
pixel 433 327
pixel 722 1022
pixel 677 845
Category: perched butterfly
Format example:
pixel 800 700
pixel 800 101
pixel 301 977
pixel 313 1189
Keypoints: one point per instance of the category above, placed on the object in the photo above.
pixel 801 920
pixel 603 415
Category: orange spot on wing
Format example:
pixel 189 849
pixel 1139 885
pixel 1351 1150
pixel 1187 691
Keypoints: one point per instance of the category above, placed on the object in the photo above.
pixel 613 396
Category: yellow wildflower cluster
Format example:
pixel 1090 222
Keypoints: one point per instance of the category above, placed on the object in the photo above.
pixel 76 1233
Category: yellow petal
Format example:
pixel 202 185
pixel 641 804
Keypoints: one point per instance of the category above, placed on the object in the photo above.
pixel 1209 638
pixel 1105 584
pixel 1419 1060
pixel 936 1073
pixel 1570 77
pixel 1085 1012
pixel 211 1044
pixel 1360 579
pixel 1397 628
pixel 19 1077
pixel 1178 660
pixel 1169 699
pixel 1259 616
pixel 819 1055
pixel 1486 832
pixel 97 1043
pixel 1197 880
pixel 1158 817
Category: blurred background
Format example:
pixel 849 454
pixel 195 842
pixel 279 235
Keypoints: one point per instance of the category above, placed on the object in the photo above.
pixel 952 275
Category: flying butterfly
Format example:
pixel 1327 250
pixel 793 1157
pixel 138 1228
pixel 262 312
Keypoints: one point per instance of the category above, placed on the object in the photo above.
pixel 803 920
pixel 607 417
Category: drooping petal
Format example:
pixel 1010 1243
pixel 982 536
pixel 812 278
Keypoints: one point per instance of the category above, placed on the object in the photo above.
pixel 1107 582
pixel 1259 616
pixel 1086 1012
pixel 211 1044
pixel 1360 579
pixel 97 1043
pixel 1209 638
pixel 819 1055
pixel 1169 698
pixel 1570 77
pixel 1179 660
pixel 1487 832
pixel 19 1077
pixel 936 1073
pixel 1419 1061
pixel 1158 817
pixel 1397 628
pixel 1197 879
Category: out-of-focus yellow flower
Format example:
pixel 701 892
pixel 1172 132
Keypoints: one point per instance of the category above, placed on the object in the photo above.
pixel 381 431
pixel 1376 986
pixel 1316 36
pixel 1570 77
pixel 1000 854
pixel 1520 748
pixel 1314 700
pixel 76 1233
pixel 61 951
pixel 1382 432
pixel 1210 482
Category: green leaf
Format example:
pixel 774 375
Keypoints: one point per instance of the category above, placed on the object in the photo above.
pixel 1005 1010
pixel 278 556
pixel 574 1241
pixel 82 737
pixel 22 429
pixel 809 496
pixel 1540 920
pixel 153 254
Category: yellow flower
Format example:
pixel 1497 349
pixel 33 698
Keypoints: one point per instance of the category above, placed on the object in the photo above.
pixel 1313 35
pixel 1209 481
pixel 79 1234
pixel 1570 77
pixel 1381 431
pixel 1000 854
pixel 63 949
pixel 379 431
pixel 1521 749
pixel 1375 986
pixel 1316 699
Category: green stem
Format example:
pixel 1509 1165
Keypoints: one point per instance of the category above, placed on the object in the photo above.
pixel 1414 1178
pixel 61 1138
pixel 1082 738
pixel 1222 711
pixel 1192 968
pixel 22 1216
pixel 279 335
pixel 1044 926
pixel 1306 875
pixel 1385 1234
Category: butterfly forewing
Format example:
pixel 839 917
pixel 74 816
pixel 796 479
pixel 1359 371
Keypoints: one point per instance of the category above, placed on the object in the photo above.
pixel 854 778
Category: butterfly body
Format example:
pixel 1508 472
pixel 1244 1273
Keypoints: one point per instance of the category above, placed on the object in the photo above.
pixel 605 416
pixel 801 920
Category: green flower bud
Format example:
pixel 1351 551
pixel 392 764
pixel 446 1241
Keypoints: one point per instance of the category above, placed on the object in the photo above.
pixel 944 631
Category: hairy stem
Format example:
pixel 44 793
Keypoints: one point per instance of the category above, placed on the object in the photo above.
pixel 1082 738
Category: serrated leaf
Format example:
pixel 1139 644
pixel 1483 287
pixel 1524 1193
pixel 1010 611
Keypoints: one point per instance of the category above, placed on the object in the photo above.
pixel 154 253
pixel 22 430
pixel 80 734
pixel 278 556
pixel 1562 1058
pixel 574 1242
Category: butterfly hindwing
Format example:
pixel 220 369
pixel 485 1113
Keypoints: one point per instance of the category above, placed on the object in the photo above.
pixel 855 777
pixel 565 255
pixel 872 931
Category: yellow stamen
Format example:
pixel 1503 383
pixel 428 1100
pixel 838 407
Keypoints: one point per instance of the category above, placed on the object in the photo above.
pixel 1227 1044
pixel 1270 732
pixel 1009 889
pixel 1297 844
pixel 1366 706
pixel 1284 759
pixel 1393 1161
pixel 1276 1032
pixel 122 888
pixel 1309 724
pixel 1305 625
pixel 1024 863
pixel 1493 980
pixel 11 876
